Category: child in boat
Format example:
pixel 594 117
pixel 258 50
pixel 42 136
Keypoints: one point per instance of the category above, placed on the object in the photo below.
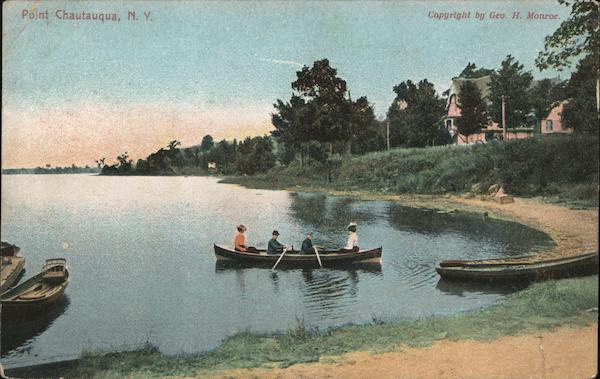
pixel 239 241
pixel 352 243
pixel 307 246
pixel 274 247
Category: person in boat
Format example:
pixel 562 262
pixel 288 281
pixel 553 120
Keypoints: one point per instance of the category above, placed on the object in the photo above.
pixel 274 247
pixel 352 243
pixel 307 245
pixel 239 241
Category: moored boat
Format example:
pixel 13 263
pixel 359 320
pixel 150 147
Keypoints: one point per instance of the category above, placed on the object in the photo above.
pixel 37 292
pixel 294 257
pixel 12 266
pixel 522 269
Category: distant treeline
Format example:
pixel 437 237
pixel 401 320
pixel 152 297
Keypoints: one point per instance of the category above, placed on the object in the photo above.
pixel 51 170
pixel 248 157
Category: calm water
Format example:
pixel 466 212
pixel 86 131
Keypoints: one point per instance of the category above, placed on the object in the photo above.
pixel 143 267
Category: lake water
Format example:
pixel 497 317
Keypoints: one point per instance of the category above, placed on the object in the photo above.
pixel 143 268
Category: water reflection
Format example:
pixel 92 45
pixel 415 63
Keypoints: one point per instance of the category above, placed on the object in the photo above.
pixel 515 238
pixel 16 332
pixel 462 289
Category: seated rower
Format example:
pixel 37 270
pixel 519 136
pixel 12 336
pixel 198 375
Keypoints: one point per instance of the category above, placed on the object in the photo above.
pixel 274 247
pixel 307 246
pixel 239 241
pixel 352 243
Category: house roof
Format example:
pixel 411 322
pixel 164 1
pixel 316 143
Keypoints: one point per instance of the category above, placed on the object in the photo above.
pixel 482 83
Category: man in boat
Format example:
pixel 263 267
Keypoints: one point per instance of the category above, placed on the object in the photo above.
pixel 352 243
pixel 239 241
pixel 307 246
pixel 274 247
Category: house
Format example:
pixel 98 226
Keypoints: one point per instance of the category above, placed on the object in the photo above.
pixel 549 125
pixel 552 124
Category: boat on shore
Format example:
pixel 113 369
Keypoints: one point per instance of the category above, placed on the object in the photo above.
pixel 12 266
pixel 329 258
pixel 45 288
pixel 529 268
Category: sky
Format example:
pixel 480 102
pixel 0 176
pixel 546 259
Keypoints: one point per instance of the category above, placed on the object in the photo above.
pixel 77 90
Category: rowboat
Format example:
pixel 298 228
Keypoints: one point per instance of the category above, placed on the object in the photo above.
pixel 520 268
pixel 39 291
pixel 328 257
pixel 12 266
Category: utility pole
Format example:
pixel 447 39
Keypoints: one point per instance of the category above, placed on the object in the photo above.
pixel 504 134
pixel 387 124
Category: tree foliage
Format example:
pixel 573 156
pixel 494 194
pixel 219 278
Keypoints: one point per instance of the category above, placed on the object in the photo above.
pixel 545 95
pixel 320 111
pixel 207 143
pixel 580 113
pixel 513 83
pixel 577 36
pixel 472 72
pixel 474 115
pixel 415 114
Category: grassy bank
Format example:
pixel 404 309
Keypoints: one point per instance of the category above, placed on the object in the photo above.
pixel 560 168
pixel 541 306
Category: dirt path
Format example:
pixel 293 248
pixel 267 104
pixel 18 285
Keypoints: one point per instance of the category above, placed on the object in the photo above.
pixel 562 354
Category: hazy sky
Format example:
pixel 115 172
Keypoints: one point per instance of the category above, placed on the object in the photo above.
pixel 77 90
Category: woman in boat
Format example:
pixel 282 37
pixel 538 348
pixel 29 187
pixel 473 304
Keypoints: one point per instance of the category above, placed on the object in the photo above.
pixel 307 246
pixel 352 243
pixel 239 241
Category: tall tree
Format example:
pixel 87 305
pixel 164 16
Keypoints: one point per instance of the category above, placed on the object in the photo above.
pixel 544 95
pixel 320 111
pixel 414 115
pixel 580 112
pixel 207 143
pixel 473 110
pixel 577 36
pixel 513 83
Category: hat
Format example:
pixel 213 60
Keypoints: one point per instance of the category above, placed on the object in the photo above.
pixel 275 233
pixel 350 225
pixel 241 227
pixel 309 234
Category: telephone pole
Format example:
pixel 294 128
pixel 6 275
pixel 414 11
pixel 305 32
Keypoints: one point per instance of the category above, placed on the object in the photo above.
pixel 504 134
pixel 387 125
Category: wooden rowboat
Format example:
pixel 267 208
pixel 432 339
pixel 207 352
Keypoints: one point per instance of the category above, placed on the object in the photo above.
pixel 37 292
pixel 328 257
pixel 520 269
pixel 12 266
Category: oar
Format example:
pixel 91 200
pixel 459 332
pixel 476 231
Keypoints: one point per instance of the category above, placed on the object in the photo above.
pixel 280 257
pixel 318 258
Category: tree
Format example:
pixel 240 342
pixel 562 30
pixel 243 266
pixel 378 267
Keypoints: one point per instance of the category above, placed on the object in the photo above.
pixel 577 36
pixel 472 72
pixel 473 113
pixel 544 95
pixel 207 143
pixel 580 112
pixel 320 110
pixel 414 115
pixel 255 155
pixel 512 83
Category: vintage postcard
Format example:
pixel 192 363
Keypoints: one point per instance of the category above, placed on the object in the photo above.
pixel 300 189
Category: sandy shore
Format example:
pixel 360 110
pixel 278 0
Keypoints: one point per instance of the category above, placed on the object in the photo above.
pixel 567 353
pixel 564 353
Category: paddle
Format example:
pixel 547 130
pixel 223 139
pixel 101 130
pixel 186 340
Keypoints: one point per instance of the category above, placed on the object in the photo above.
pixel 318 258
pixel 280 257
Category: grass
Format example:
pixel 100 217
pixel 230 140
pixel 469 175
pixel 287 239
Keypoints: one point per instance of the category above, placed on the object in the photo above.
pixel 541 306
pixel 560 168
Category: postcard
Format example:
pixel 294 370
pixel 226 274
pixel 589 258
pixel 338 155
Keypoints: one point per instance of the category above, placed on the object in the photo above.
pixel 300 189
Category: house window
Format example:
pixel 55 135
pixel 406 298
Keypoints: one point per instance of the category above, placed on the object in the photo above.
pixel 549 127
pixel 448 123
